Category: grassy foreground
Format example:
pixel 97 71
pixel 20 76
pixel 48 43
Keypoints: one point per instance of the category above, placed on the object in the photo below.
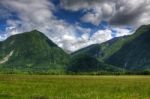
pixel 74 87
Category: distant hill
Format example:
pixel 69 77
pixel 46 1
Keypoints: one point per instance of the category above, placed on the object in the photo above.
pixel 127 52
pixel 31 51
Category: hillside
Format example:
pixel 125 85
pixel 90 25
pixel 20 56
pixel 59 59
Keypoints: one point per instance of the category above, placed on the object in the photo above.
pixel 128 52
pixel 31 51
pixel 85 63
pixel 134 54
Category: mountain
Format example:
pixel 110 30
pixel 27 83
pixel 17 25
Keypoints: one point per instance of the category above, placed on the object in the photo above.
pixel 34 52
pixel 85 63
pixel 103 50
pixel 134 54
pixel 128 52
pixel 31 51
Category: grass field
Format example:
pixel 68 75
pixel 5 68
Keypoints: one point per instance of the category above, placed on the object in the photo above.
pixel 74 87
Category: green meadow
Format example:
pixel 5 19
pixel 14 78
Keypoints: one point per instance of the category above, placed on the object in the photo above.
pixel 74 87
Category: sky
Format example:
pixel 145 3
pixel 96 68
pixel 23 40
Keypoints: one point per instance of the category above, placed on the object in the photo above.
pixel 73 24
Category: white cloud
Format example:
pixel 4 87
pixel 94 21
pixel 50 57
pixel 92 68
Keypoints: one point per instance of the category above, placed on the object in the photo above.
pixel 34 14
pixel 122 32
pixel 93 18
pixel 3 37
pixel 101 36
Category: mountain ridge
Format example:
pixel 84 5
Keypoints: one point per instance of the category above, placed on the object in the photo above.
pixel 113 51
pixel 32 51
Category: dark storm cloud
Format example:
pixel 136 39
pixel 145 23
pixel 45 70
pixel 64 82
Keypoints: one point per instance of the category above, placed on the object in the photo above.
pixel 115 12
pixel 130 13
pixel 75 5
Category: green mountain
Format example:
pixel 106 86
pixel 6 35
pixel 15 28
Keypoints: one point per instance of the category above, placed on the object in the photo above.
pixel 128 52
pixel 134 54
pixel 86 63
pixel 34 52
pixel 31 51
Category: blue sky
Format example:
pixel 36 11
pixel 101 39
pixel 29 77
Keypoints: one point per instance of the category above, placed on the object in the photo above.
pixel 73 24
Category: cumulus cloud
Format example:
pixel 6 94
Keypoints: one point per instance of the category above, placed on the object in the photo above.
pixel 3 37
pixel 30 13
pixel 93 18
pixel 121 32
pixel 37 14
pixel 34 14
pixel 101 36
pixel 116 12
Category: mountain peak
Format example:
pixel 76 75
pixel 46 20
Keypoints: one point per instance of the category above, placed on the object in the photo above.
pixel 34 30
pixel 32 50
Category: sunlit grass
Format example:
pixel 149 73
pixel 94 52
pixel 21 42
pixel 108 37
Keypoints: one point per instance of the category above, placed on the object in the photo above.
pixel 74 87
